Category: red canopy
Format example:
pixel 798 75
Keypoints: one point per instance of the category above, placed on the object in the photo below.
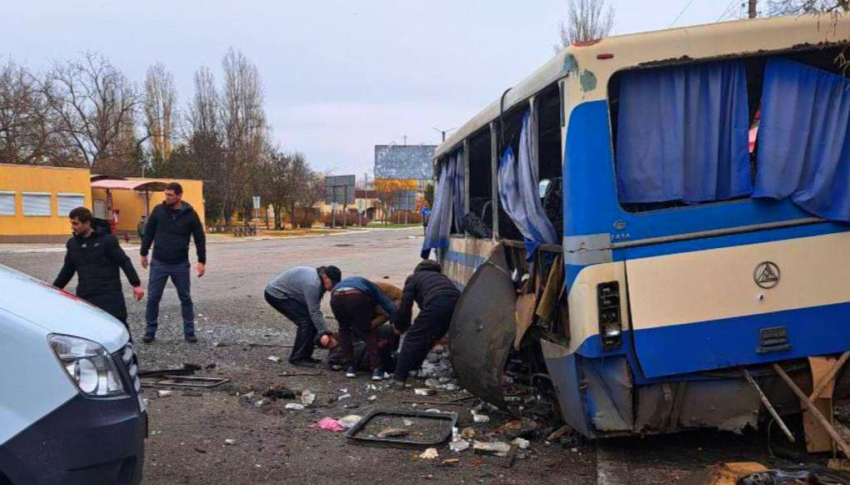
pixel 137 184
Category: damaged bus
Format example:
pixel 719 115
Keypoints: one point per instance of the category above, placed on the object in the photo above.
pixel 611 225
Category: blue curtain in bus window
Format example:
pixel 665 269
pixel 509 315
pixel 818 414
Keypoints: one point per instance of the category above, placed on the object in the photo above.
pixel 459 186
pixel 804 139
pixel 682 134
pixel 440 222
pixel 520 195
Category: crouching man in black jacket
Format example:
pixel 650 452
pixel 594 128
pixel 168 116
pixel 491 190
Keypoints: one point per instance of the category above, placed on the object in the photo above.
pixel 437 297
pixel 94 254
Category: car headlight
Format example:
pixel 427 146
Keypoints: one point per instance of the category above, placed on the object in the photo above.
pixel 89 365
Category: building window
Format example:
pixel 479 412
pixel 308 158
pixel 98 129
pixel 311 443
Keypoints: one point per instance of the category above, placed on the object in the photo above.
pixel 7 203
pixel 36 204
pixel 68 202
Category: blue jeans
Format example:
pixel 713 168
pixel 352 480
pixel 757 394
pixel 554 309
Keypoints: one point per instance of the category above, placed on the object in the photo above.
pixel 180 275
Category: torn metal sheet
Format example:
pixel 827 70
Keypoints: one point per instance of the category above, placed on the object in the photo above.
pixel 188 381
pixel 483 329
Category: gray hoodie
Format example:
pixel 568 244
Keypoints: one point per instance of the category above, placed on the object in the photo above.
pixel 302 284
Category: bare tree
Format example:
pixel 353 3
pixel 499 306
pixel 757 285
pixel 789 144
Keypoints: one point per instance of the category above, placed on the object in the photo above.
pixel 244 123
pixel 95 108
pixel 159 106
pixel 795 7
pixel 25 127
pixel 586 20
pixel 272 182
pixel 204 138
pixel 294 183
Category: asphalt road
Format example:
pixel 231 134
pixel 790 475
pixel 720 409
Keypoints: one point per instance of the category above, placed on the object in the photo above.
pixel 189 429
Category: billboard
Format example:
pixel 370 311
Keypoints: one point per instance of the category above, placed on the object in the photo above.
pixel 339 189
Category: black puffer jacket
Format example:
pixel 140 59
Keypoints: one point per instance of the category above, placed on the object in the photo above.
pixel 425 286
pixel 95 260
pixel 169 233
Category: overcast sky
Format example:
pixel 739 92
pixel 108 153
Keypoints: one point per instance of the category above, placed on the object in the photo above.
pixel 339 76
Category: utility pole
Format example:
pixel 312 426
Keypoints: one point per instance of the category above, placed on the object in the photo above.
pixel 753 10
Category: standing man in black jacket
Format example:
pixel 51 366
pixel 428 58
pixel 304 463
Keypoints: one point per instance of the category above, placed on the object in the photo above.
pixel 169 228
pixel 95 256
pixel 436 296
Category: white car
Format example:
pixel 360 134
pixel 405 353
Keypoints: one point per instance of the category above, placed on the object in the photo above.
pixel 70 409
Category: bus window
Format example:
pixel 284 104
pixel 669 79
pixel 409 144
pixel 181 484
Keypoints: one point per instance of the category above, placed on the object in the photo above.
pixel 479 221
pixel 678 114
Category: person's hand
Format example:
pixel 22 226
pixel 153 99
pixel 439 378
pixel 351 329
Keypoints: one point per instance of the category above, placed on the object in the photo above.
pixel 138 293
pixel 327 341
pixel 202 268
pixel 145 262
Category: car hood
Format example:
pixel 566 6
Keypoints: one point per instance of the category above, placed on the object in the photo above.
pixel 57 311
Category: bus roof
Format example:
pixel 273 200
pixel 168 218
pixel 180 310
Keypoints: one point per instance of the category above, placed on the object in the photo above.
pixel 590 73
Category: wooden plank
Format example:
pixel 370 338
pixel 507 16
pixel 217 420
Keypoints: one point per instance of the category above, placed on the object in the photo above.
pixel 817 438
pixel 808 404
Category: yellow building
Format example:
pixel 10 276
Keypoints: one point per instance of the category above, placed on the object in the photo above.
pixel 128 199
pixel 35 201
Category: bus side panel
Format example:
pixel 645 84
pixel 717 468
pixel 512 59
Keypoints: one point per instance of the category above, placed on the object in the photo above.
pixel 463 257
pixel 717 308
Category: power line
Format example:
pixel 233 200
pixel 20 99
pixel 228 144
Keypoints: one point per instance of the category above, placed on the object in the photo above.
pixel 681 13
pixel 727 11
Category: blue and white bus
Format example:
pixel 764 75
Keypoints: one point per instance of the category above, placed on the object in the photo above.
pixel 610 215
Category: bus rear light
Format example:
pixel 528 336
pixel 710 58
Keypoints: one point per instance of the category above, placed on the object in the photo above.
pixel 610 321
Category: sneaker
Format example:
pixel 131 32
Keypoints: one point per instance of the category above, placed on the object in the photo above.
pixel 191 339
pixel 379 375
pixel 351 371
pixel 148 338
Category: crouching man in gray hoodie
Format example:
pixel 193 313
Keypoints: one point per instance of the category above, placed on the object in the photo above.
pixel 297 294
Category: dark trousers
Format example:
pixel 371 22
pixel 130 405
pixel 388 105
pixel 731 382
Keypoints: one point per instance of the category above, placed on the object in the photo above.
pixel 431 325
pixel 113 304
pixel 181 276
pixel 305 337
pixel 387 350
pixel 354 311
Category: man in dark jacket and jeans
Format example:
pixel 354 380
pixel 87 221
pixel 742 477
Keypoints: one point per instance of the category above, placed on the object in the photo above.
pixel 169 228
pixel 95 256
pixel 436 296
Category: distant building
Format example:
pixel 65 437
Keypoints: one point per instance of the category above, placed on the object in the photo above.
pixel 35 200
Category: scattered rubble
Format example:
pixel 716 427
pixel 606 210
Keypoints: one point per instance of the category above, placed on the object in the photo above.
pixel 230 442
pixel 468 433
pixel 279 393
pixel 307 397
pixel 164 393
pixel 459 445
pixel 430 454
pixel 274 359
pixel 496 448
pixel 349 421
pixel 425 392
pixel 522 444
pixel 294 407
